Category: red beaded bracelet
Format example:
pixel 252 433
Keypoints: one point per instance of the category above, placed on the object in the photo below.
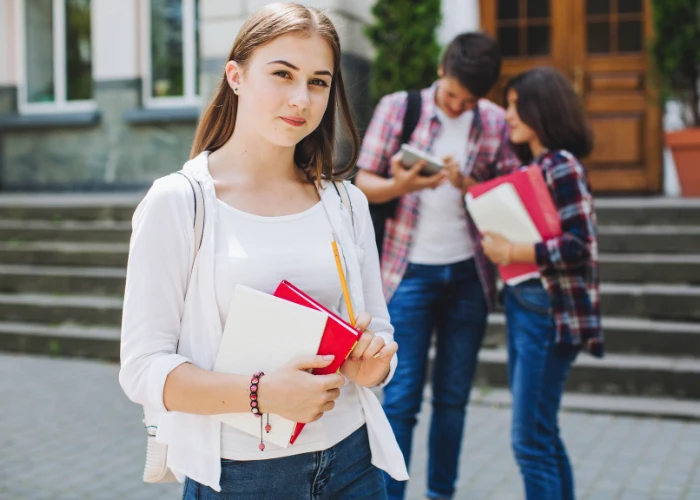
pixel 254 407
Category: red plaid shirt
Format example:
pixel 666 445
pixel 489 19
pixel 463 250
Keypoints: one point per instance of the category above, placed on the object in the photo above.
pixel 569 263
pixel 488 155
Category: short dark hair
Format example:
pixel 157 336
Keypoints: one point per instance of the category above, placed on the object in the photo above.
pixel 474 60
pixel 548 104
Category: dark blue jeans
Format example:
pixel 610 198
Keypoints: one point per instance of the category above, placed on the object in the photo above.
pixel 338 473
pixel 537 368
pixel 448 299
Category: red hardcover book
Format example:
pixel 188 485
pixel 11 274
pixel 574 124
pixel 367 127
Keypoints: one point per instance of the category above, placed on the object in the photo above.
pixel 534 194
pixel 339 337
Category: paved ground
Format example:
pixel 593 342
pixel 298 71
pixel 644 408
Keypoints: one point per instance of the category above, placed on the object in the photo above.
pixel 68 432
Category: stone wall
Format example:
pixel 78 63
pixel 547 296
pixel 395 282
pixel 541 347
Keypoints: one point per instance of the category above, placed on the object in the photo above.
pixel 121 146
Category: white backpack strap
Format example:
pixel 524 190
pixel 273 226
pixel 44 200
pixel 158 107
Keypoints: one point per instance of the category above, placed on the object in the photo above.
pixel 199 219
pixel 156 468
pixel 344 195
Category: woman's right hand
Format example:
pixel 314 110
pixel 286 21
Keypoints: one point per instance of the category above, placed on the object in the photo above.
pixel 295 394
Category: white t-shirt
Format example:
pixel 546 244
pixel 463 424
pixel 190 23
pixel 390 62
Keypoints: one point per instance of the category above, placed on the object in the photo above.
pixel 442 233
pixel 259 252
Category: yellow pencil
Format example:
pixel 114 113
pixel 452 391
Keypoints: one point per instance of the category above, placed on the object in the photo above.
pixel 343 283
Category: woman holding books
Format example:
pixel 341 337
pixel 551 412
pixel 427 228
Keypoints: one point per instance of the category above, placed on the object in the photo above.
pixel 263 160
pixel 550 319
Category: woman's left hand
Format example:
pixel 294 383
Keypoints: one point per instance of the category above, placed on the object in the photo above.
pixel 496 248
pixel 368 363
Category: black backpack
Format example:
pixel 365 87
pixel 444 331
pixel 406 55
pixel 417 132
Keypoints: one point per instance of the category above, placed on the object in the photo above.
pixel 380 212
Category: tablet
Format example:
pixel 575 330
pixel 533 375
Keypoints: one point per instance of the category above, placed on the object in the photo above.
pixel 410 155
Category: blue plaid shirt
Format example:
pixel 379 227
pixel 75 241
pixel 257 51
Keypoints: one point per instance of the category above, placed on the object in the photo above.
pixel 569 263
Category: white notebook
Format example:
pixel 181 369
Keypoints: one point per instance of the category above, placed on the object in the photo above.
pixel 502 211
pixel 262 333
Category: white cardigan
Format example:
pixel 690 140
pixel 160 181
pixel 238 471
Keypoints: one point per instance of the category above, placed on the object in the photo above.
pixel 167 323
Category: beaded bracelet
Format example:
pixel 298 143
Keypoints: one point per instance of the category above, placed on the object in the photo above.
pixel 255 409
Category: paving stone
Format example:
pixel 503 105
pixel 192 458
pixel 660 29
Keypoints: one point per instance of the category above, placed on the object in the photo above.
pixel 60 405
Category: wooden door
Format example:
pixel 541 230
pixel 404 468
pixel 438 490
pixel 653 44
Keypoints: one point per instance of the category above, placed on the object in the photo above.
pixel 601 46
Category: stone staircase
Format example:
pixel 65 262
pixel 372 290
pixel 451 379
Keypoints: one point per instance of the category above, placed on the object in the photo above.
pixel 650 298
pixel 62 269
pixel 62 272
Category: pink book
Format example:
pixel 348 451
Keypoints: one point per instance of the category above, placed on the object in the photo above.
pixel 339 337
pixel 529 211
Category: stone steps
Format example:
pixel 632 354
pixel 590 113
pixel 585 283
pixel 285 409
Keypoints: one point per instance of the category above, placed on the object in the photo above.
pixel 63 340
pixel 628 336
pixel 61 253
pixel 648 211
pixel 650 268
pixel 63 280
pixel 651 301
pixel 620 268
pixel 649 239
pixel 62 275
pixel 629 406
pixel 57 310
pixel 615 374
pixel 69 206
pixel 102 231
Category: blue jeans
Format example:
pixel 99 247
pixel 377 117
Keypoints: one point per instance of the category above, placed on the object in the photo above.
pixel 341 472
pixel 448 299
pixel 537 369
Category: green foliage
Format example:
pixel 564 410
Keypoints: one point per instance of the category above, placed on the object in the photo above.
pixel 675 51
pixel 407 51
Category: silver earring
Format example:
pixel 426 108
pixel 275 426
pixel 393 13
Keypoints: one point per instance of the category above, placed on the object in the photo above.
pixel 235 90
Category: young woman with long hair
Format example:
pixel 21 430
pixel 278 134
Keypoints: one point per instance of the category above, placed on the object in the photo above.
pixel 550 319
pixel 263 154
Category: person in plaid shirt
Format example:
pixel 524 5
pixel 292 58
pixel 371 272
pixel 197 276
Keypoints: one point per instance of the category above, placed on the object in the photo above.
pixel 434 272
pixel 549 319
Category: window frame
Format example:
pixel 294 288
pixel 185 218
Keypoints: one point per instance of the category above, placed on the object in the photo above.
pixel 60 104
pixel 189 66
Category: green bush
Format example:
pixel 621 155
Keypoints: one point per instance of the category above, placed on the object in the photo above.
pixel 407 51
pixel 675 51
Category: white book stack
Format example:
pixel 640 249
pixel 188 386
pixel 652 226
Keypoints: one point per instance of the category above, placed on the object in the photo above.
pixel 262 333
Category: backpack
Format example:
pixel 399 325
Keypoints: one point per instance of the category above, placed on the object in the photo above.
pixel 156 468
pixel 380 212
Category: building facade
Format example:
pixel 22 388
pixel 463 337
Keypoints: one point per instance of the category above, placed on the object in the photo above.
pixel 105 95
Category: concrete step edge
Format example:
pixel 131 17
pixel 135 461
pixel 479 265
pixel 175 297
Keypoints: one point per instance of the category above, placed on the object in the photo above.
pixel 612 361
pixel 95 272
pixel 646 203
pixel 633 406
pixel 88 333
pixel 64 246
pixel 607 288
pixel 618 323
pixel 649 258
pixel 71 200
pixel 79 301
pixel 67 225
pixel 647 230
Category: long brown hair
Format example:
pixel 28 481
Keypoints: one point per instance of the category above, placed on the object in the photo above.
pixel 548 104
pixel 315 153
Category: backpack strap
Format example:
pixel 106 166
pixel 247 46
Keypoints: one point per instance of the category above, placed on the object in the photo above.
pixel 199 219
pixel 414 105
pixel 344 195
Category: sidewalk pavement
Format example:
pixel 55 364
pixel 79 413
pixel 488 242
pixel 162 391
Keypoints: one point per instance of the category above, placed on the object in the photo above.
pixel 68 432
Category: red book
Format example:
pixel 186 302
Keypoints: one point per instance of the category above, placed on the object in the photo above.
pixel 537 200
pixel 339 337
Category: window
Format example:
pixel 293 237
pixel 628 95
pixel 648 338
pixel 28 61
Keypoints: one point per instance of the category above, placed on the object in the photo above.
pixel 523 27
pixel 614 27
pixel 56 61
pixel 171 53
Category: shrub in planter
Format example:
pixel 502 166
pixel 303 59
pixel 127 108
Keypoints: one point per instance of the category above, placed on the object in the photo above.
pixel 675 51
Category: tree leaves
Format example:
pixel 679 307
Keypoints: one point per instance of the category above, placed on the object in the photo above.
pixel 407 51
